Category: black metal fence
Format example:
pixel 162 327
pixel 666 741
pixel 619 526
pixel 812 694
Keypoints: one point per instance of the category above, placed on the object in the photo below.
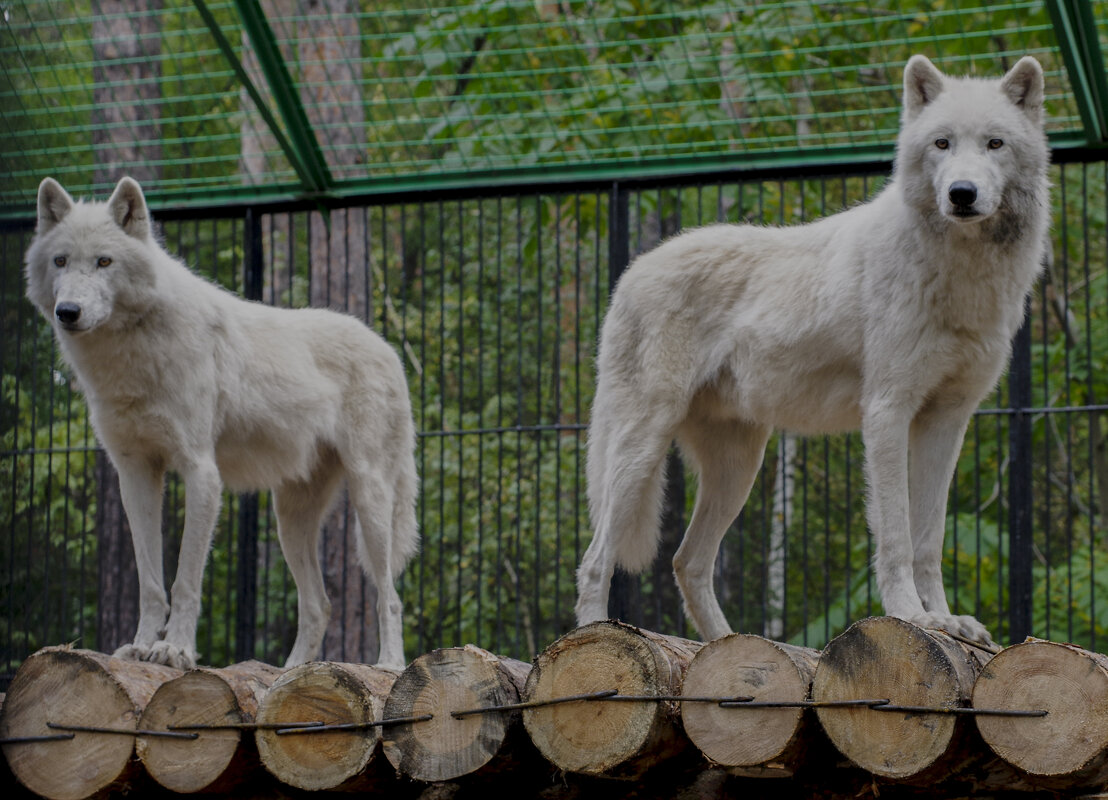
pixel 494 303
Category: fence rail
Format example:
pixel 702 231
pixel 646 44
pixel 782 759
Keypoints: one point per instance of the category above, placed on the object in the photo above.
pixel 494 302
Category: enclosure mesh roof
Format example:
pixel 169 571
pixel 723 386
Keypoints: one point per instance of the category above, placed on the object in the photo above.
pixel 212 101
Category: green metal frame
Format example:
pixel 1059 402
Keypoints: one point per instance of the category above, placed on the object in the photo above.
pixel 1077 38
pixel 408 103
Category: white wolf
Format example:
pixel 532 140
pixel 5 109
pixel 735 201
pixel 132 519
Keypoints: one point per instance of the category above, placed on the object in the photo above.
pixel 182 375
pixel 894 317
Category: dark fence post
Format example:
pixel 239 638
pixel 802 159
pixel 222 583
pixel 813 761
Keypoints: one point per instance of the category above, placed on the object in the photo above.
pixel 622 598
pixel 1019 485
pixel 246 612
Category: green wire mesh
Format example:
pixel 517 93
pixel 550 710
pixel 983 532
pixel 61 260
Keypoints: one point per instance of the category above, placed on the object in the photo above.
pixel 379 94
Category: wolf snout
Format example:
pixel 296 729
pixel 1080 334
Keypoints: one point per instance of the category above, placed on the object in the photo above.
pixel 962 194
pixel 67 313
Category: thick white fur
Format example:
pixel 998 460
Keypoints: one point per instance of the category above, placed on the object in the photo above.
pixel 894 317
pixel 182 375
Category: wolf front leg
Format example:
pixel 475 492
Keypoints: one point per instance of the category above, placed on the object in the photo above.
pixel 202 500
pixel 885 434
pixel 140 487
pixel 935 442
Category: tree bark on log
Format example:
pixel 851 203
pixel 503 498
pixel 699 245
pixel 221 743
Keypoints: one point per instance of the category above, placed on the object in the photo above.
pixel 332 694
pixel 218 759
pixel 444 747
pixel 1066 749
pixel 81 688
pixel 744 665
pixel 887 658
pixel 613 738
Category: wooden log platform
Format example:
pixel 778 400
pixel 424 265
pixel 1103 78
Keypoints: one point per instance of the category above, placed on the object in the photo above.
pixel 214 705
pixel 444 747
pixel 621 737
pixel 79 690
pixel 324 694
pixel 1068 747
pixel 776 740
pixel 887 659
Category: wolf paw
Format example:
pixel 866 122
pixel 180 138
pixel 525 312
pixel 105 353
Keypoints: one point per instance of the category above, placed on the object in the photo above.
pixel 133 652
pixel 172 656
pixel 963 626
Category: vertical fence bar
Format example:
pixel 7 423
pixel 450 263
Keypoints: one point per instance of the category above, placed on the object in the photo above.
pixel 1020 485
pixel 621 599
pixel 247 568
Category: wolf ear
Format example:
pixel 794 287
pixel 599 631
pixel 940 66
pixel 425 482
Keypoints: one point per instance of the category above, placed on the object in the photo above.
pixel 128 208
pixel 922 84
pixel 54 203
pixel 1024 87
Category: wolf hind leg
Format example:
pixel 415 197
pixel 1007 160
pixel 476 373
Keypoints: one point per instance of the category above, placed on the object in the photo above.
pixel 300 507
pixel 374 498
pixel 727 455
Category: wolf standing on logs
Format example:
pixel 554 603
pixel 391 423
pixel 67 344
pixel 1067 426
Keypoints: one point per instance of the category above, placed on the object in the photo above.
pixel 894 317
pixel 182 375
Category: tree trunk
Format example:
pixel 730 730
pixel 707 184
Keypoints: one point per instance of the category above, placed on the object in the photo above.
pixel 77 688
pixel 746 666
pixel 1067 748
pixel 614 738
pixel 126 136
pixel 444 747
pixel 219 759
pixel 332 694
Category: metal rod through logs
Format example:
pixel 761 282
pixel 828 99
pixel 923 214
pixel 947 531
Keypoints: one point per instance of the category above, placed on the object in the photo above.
pixel 355 726
pixel 122 731
pixel 245 726
pixel 605 695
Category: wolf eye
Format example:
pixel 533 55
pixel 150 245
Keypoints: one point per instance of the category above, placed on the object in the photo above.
pixel 942 144
pixel 996 144
pixel 59 261
pixel 103 261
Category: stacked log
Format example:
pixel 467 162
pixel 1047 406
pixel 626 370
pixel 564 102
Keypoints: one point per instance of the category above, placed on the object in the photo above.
pixel 345 701
pixel 912 688
pixel 63 692
pixel 217 706
pixel 1067 747
pixel 453 699
pixel 619 736
pixel 754 734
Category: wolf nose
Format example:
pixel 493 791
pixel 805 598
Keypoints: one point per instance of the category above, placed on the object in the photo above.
pixel 963 193
pixel 67 313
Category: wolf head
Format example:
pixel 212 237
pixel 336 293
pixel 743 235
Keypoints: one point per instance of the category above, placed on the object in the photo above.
pixel 970 148
pixel 89 264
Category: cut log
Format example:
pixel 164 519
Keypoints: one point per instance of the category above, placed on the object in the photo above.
pixel 608 737
pixel 1066 749
pixel 220 758
pixel 887 658
pixel 743 665
pixel 332 694
pixel 445 747
pixel 77 688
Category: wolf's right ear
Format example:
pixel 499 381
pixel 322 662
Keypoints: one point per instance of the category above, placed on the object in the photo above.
pixel 128 208
pixel 54 203
pixel 922 84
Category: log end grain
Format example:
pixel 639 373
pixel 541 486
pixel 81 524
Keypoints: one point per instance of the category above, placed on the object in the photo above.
pixel 75 687
pixel 887 658
pixel 201 697
pixel 1071 685
pixel 331 693
pixel 745 665
pixel 604 737
pixel 437 683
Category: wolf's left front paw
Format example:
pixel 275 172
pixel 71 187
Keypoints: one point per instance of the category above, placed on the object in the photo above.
pixel 132 652
pixel 172 656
